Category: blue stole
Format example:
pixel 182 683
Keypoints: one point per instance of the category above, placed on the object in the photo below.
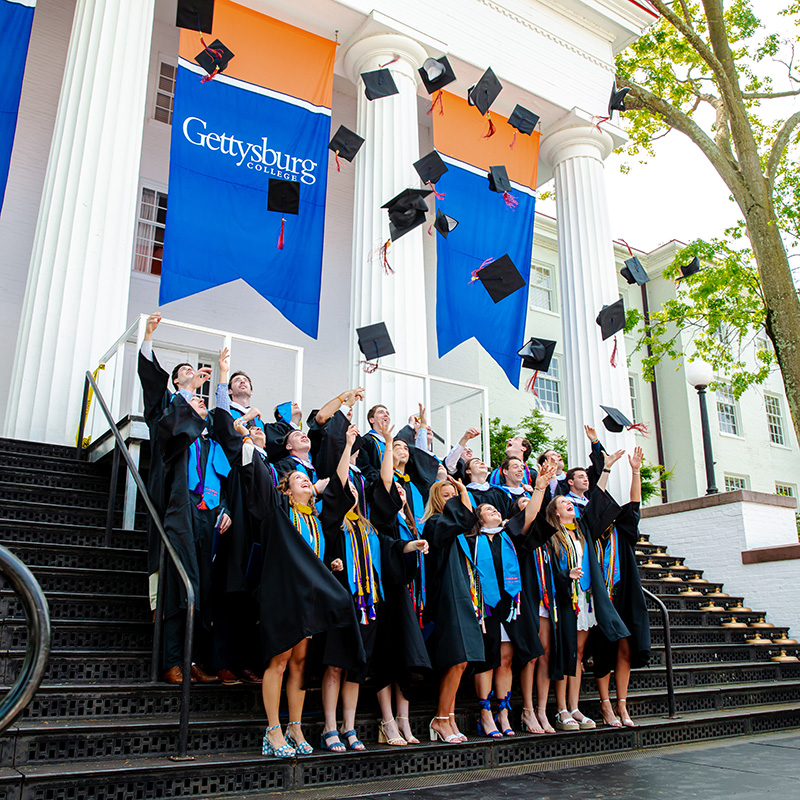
pixel 363 573
pixel 305 531
pixel 586 578
pixel 235 413
pixel 611 545
pixel 312 475
pixel 407 536
pixel 378 443
pixel 513 496
pixel 207 482
pixel 484 561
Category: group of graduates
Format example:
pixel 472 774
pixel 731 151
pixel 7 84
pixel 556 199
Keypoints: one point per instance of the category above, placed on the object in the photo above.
pixel 366 557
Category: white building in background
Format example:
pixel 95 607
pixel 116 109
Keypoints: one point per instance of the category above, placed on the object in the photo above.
pixel 85 208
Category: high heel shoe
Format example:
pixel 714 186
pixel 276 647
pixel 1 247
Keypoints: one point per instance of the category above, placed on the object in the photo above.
pixel 504 705
pixel 435 735
pixel 486 705
pixel 615 723
pixel 565 722
pixel 411 739
pixel 301 748
pixel 527 728
pixel 383 738
pixel 541 715
pixel 625 717
pixel 461 737
pixel 267 749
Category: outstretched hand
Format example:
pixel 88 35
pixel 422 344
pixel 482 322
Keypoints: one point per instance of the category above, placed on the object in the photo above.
pixel 591 433
pixel 385 429
pixel 420 545
pixel 200 377
pixel 612 459
pixel 636 459
pixel 152 324
pixel 546 474
pixel 224 362
pixel 350 436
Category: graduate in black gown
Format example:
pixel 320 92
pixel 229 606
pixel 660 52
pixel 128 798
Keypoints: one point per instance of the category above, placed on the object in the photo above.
pixel 415 468
pixel 582 601
pixel 373 445
pixel 297 594
pixel 371 561
pixel 615 552
pixel 479 490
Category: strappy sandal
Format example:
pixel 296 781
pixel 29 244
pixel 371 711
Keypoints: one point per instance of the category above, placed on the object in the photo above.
pixel 461 736
pixel 301 748
pixel 383 737
pixel 486 705
pixel 333 747
pixel 541 715
pixel 584 723
pixel 436 735
pixel 625 717
pixel 504 705
pixel 527 728
pixel 615 723
pixel 565 722
pixel 410 739
pixel 267 749
pixel 352 740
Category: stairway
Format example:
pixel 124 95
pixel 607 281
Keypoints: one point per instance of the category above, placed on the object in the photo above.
pixel 98 729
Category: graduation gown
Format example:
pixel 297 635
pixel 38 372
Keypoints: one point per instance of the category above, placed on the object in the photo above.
pixel 595 518
pixel 457 637
pixel 399 645
pixel 628 599
pixel 297 594
pixel 332 444
pixel 421 469
pixel 494 495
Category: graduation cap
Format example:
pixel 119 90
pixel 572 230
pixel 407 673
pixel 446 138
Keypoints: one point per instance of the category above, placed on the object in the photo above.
pixel 523 120
pixel 374 341
pixel 615 421
pixel 690 269
pixel 537 354
pixel 283 196
pixel 214 58
pixel 345 143
pixel 195 15
pixel 406 211
pixel 485 91
pixel 617 99
pixel 634 272
pixel 443 223
pixel 379 83
pixel 500 278
pixel 611 319
pixel 430 167
pixel 436 73
pixel 499 180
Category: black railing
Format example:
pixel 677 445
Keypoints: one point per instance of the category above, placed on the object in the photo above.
pixel 672 711
pixel 165 548
pixel 37 620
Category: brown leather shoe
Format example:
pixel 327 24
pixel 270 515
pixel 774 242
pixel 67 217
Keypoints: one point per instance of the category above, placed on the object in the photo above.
pixel 248 676
pixel 228 678
pixel 202 677
pixel 175 675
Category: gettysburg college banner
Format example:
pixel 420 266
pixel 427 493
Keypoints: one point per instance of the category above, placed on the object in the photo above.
pixel 16 19
pixel 266 116
pixel 488 229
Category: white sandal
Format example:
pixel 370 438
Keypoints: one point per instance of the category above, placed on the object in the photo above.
pixel 565 722
pixel 451 739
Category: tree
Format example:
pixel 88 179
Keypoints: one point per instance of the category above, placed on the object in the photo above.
pixel 531 427
pixel 708 55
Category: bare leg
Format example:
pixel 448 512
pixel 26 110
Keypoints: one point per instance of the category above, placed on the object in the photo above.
pixel 388 724
pixel 606 709
pixel 403 722
pixel 448 687
pixel 295 689
pixel 529 721
pixel 331 682
pixel 622 676
pixel 271 695
pixel 574 682
pixel 543 674
pixel 349 704
pixel 502 683
pixel 483 685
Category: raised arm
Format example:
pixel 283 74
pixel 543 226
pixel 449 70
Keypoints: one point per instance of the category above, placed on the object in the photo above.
pixel 348 398
pixel 462 491
pixel 222 397
pixel 387 462
pixel 546 474
pixel 608 461
pixel 636 478
pixel 343 468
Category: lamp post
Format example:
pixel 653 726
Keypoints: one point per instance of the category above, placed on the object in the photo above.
pixel 699 374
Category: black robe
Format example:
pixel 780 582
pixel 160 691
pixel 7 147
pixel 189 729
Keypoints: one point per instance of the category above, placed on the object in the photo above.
pixel 297 594
pixel 595 517
pixel 628 600
pixel 422 468
pixel 331 447
pixel 495 496
pixel 457 637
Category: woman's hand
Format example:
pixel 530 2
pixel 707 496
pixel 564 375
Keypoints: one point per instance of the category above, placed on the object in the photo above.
pixel 591 433
pixel 337 565
pixel 576 573
pixel 350 436
pixel 224 522
pixel 636 459
pixel 321 484
pixel 612 459
pixel 460 488
pixel 546 474
pixel 420 545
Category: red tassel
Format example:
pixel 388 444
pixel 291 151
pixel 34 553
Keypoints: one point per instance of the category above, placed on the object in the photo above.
pixel 600 121
pixel 622 241
pixel 384 253
pixel 338 165
pixel 510 200
pixel 614 354
pixel 216 54
pixel 430 230
pixel 514 140
pixel 641 427
pixel 530 385
pixel 396 58
pixel 476 271
pixel 280 238
pixel 437 195
pixel 202 505
pixel 491 130
pixel 437 99
pixel 368 366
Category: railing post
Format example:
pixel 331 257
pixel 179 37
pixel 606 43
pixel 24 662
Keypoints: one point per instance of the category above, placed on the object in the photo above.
pixel 112 495
pixel 667 654
pixel 158 624
pixel 82 424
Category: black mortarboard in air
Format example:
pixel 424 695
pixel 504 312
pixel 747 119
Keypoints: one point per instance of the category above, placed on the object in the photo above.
pixel 195 15
pixel 690 269
pixel 214 58
pixel 283 196
pixel 406 211
pixel 615 421
pixel 430 167
pixel 523 120
pixel 379 83
pixel 611 319
pixel 501 278
pixel 436 73
pixel 443 223
pixel 617 100
pixel 485 91
pixel 499 180
pixel 537 354
pixel 345 143
pixel 634 272
pixel 374 341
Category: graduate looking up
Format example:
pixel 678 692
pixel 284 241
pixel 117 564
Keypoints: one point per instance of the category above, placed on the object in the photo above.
pixel 240 390
pixel 516 447
pixel 578 482
pixel 460 452
pixel 373 446
pixel 480 491
pixel 513 471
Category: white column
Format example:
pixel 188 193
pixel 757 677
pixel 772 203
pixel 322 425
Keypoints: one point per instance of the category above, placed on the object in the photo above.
pixel 384 167
pixel 588 281
pixel 76 298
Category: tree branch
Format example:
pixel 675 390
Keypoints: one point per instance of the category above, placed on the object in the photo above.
pixel 779 146
pixel 768 95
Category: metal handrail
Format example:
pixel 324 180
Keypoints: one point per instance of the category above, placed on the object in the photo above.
pixel 166 547
pixel 37 653
pixel 667 653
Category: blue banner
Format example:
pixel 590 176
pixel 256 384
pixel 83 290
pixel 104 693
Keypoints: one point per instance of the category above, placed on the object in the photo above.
pixel 229 137
pixel 487 229
pixel 16 20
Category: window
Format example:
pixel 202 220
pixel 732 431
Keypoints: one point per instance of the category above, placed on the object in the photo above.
pixel 735 482
pixel 634 398
pixel 165 93
pixel 547 389
pixel 541 295
pixel 786 489
pixel 150 232
pixel 726 411
pixel 774 419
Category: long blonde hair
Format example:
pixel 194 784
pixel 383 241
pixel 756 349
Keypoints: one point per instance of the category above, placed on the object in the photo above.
pixel 560 539
pixel 435 504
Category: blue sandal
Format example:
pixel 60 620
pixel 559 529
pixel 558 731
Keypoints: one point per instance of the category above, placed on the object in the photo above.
pixel 284 751
pixel 356 743
pixel 504 705
pixel 486 705
pixel 301 748
pixel 326 744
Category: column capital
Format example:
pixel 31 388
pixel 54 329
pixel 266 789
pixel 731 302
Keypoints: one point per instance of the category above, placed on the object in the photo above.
pixel 369 52
pixel 576 135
